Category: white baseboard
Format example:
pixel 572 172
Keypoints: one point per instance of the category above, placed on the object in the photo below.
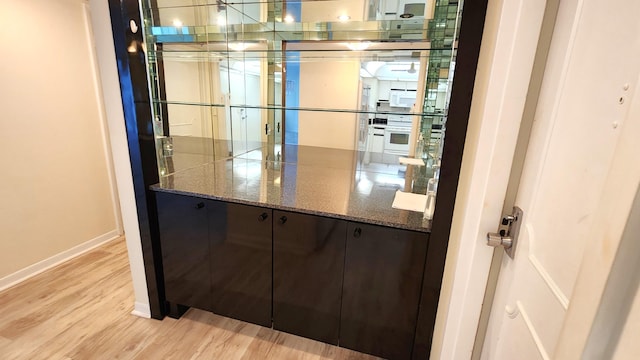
pixel 46 264
pixel 142 310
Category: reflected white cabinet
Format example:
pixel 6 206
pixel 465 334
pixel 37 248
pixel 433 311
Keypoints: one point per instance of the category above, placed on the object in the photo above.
pixel 403 99
pixel 384 87
pixel 377 139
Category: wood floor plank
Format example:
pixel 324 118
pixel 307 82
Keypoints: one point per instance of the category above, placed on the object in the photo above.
pixel 4 342
pixel 46 288
pixel 287 346
pixel 229 339
pixel 70 323
pixel 177 340
pixel 82 310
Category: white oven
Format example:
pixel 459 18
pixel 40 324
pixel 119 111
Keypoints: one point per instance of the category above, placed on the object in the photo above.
pixel 396 140
pixel 411 9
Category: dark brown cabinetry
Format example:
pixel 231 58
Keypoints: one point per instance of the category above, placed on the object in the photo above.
pixel 331 280
pixel 308 261
pixel 184 240
pixel 381 290
pixel 240 238
pixel 216 256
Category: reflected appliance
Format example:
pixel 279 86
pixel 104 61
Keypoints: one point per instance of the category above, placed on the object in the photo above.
pixel 397 134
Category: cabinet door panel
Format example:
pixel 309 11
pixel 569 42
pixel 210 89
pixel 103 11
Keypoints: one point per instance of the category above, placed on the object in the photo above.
pixel 308 255
pixel 184 240
pixel 381 290
pixel 241 253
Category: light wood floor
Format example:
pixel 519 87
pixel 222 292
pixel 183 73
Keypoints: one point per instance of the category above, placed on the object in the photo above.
pixel 81 310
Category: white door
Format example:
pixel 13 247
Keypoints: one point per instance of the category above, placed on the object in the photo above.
pixel 243 123
pixel 585 104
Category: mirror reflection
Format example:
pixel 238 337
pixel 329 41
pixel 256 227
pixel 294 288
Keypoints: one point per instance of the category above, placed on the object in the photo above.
pixel 368 75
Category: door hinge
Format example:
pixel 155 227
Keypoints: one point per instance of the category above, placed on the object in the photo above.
pixel 509 231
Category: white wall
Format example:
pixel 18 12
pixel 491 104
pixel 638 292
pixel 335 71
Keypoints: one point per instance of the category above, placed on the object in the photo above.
pixel 330 10
pixel 110 86
pixel 57 193
pixel 187 81
pixel 338 91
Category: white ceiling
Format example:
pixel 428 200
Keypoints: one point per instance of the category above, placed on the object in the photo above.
pixel 397 70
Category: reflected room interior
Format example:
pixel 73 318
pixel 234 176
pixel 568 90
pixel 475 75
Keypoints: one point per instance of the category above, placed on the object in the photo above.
pixel 266 83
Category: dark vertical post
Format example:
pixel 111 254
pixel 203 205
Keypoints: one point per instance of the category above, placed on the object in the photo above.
pixel 471 29
pixel 134 89
pixel 157 73
pixel 162 90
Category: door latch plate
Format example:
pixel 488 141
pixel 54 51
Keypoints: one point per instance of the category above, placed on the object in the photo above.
pixel 508 235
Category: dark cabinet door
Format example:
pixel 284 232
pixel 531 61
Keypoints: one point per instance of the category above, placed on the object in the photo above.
pixel 381 290
pixel 308 263
pixel 184 240
pixel 241 253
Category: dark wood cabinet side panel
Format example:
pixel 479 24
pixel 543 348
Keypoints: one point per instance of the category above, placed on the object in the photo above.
pixel 308 255
pixel 381 290
pixel 184 240
pixel 241 256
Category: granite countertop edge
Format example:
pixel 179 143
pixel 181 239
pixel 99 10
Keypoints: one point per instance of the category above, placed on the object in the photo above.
pixel 158 188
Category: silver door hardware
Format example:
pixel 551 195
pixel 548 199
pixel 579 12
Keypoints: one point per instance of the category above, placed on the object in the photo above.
pixel 496 240
pixel 509 231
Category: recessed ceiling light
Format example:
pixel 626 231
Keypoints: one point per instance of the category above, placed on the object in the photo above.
pixel 238 46
pixel 177 23
pixel 358 46
pixel 288 18
pixel 344 17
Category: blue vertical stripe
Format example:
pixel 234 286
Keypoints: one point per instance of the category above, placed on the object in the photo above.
pixel 292 86
pixel 292 98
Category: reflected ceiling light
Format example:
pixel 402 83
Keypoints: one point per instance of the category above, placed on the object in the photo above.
pixel 133 26
pixel 344 17
pixel 373 66
pixel 177 23
pixel 222 21
pixel 365 74
pixel 132 48
pixel 412 69
pixel 238 46
pixel 358 46
pixel 288 18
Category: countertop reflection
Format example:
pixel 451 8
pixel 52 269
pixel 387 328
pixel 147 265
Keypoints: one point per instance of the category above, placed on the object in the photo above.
pixel 320 181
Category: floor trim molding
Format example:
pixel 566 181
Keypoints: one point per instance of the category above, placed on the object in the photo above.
pixel 46 264
pixel 142 310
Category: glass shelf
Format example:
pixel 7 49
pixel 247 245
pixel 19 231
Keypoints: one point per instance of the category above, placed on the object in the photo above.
pixel 384 30
pixel 228 75
pixel 282 108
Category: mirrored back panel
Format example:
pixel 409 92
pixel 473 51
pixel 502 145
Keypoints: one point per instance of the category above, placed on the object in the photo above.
pixel 368 75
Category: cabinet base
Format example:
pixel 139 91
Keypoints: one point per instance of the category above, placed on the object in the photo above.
pixel 175 311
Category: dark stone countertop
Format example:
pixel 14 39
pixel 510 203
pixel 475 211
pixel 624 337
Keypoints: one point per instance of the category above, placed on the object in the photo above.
pixel 319 181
